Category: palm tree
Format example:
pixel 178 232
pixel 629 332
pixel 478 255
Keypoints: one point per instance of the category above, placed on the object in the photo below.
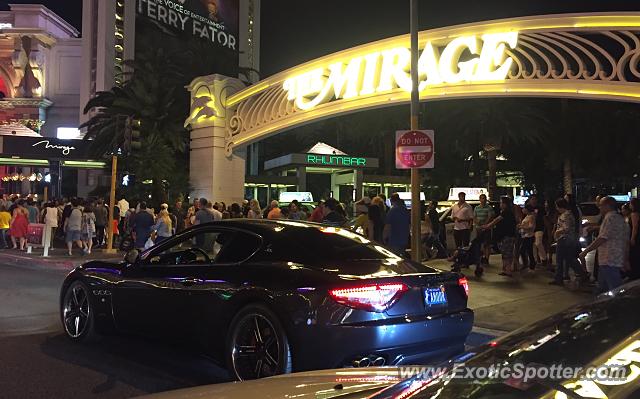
pixel 154 95
pixel 490 125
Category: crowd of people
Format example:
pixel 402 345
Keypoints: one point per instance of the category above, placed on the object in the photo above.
pixel 527 237
pixel 83 223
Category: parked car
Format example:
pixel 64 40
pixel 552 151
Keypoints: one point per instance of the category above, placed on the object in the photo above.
pixel 271 297
pixel 599 333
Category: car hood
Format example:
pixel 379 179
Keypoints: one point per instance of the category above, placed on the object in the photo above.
pixel 324 384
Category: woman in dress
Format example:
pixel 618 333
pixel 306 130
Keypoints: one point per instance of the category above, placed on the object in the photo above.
pixel 550 220
pixel 88 228
pixel 505 234
pixel 527 228
pixel 254 210
pixel 162 227
pixel 19 224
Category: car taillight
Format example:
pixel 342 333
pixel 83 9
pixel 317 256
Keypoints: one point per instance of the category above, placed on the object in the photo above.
pixel 464 284
pixel 371 297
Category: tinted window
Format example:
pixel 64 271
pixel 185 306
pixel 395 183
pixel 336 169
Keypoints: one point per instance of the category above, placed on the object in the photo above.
pixel 202 247
pixel 321 245
pixel 240 247
pixel 589 210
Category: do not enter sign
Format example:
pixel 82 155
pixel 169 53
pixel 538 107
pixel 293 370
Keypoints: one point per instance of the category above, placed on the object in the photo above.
pixel 414 149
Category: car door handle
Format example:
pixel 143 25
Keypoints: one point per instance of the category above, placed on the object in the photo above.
pixel 189 281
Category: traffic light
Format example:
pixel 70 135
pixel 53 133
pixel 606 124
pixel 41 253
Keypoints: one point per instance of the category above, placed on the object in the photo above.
pixel 132 137
pixel 136 138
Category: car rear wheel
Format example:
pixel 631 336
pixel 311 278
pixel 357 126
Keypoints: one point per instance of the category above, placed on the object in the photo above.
pixel 257 344
pixel 76 313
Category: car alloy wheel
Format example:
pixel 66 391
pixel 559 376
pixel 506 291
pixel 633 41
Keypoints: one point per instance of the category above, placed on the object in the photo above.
pixel 76 311
pixel 258 345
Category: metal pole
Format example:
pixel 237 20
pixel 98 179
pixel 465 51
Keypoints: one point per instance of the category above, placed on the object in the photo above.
pixel 416 209
pixel 112 204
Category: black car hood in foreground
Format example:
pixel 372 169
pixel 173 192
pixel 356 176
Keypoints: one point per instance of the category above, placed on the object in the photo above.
pixel 603 332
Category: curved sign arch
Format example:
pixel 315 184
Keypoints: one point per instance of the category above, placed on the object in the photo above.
pixel 589 56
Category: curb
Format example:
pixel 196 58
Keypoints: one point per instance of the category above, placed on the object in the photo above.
pixel 41 262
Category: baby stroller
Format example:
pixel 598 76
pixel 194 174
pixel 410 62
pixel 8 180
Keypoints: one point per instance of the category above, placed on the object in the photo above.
pixel 467 256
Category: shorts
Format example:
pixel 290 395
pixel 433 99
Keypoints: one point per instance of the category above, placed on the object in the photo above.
pixel 484 236
pixel 507 247
pixel 72 235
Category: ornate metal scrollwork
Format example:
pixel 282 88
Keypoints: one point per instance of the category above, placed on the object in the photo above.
pixel 578 55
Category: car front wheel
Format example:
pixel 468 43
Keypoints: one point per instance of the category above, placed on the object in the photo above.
pixel 76 312
pixel 257 344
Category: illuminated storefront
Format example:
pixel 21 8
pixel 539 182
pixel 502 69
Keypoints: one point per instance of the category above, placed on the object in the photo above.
pixel 28 164
pixel 345 176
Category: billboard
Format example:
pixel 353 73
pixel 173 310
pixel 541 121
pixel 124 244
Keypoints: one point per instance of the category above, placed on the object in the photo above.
pixel 206 29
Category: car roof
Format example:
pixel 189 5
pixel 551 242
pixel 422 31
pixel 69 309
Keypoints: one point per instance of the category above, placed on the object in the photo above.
pixel 260 226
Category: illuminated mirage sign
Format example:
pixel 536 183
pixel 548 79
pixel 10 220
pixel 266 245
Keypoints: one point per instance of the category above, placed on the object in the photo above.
pixel 385 70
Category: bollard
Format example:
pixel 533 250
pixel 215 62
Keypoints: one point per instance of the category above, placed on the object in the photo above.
pixel 29 248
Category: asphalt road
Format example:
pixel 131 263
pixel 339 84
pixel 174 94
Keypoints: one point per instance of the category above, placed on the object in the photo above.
pixel 37 361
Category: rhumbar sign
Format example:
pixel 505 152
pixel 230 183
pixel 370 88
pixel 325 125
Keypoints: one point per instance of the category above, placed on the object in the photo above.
pixel 336 160
pixel 386 70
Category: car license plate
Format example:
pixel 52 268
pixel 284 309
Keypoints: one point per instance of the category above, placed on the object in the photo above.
pixel 435 296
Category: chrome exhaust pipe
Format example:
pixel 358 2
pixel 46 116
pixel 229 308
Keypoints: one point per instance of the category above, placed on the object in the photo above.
pixel 379 361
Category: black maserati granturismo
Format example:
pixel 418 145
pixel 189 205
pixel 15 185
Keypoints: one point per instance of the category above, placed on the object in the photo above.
pixel 271 297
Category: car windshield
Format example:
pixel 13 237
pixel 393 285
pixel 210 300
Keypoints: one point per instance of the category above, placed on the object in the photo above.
pixel 601 334
pixel 589 209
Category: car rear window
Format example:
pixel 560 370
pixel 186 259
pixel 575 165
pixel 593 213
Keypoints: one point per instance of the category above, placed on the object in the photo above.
pixel 323 244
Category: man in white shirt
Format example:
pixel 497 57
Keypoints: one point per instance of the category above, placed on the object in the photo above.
pixel 612 245
pixel 462 215
pixel 123 205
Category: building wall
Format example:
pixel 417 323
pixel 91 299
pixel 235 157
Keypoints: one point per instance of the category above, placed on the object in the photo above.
pixel 98 40
pixel 63 67
pixel 49 45
pixel 250 37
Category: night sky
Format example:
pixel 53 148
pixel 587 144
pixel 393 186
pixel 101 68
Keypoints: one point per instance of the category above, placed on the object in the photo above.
pixel 294 31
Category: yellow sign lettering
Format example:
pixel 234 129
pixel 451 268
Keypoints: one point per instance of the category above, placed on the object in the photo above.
pixel 387 70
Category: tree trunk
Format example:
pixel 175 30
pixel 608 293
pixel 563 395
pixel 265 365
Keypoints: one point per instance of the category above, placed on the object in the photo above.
pixel 492 185
pixel 567 180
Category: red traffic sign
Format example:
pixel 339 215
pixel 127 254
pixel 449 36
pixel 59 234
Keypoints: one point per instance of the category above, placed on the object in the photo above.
pixel 414 149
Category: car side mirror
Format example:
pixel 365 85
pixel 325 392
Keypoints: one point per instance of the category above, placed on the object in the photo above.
pixel 132 256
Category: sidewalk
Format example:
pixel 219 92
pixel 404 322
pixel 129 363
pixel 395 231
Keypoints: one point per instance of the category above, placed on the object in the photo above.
pixel 505 304
pixel 57 259
pixel 501 304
